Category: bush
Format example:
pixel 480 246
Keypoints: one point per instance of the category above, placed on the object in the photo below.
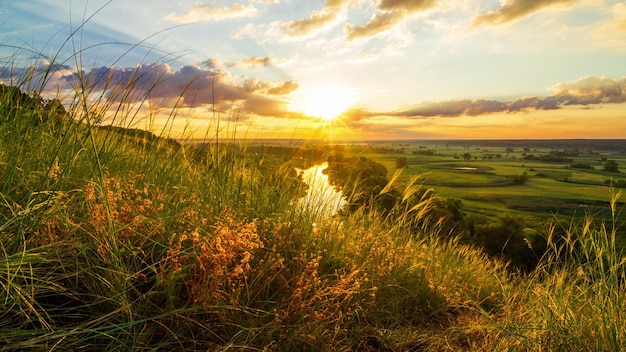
pixel 582 166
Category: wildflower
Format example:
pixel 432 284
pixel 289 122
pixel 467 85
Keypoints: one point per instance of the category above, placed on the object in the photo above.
pixel 55 169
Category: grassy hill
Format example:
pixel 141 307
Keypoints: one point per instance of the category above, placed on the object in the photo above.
pixel 115 239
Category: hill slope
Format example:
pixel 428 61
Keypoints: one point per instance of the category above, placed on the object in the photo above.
pixel 113 244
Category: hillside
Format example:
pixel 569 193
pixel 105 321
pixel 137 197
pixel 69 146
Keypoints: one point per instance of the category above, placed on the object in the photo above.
pixel 116 239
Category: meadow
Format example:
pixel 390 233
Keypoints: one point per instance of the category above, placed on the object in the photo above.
pixel 118 239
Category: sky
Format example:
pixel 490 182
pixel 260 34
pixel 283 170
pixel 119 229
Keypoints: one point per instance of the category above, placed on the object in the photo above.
pixel 330 70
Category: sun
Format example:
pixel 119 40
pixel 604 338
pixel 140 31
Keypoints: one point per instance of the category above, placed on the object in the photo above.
pixel 325 102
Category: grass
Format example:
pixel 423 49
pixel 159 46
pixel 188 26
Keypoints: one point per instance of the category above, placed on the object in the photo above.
pixel 574 301
pixel 117 240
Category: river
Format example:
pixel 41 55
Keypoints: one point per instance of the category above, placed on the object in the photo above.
pixel 321 196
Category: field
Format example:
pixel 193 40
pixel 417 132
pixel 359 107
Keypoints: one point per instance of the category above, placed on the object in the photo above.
pixel 483 173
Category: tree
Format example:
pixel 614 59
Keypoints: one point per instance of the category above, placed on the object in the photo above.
pixel 360 179
pixel 611 166
pixel 506 237
pixel 401 162
pixel 467 156
pixel 520 179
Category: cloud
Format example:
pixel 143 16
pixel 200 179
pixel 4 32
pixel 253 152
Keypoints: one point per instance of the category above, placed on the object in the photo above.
pixel 212 63
pixel 391 13
pixel 318 20
pixel 48 78
pixel 254 85
pixel 380 22
pixel 406 6
pixel 255 62
pixel 453 108
pixel 617 22
pixel 305 26
pixel 585 91
pixel 515 9
pixel 195 86
pixel 592 90
pixel 267 106
pixel 203 13
pixel 189 86
pixel 521 104
pixel 620 17
pixel 285 88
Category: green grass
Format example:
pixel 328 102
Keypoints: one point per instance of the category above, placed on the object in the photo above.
pixel 117 240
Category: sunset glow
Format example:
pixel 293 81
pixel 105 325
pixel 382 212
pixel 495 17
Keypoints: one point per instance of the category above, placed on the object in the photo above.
pixel 325 102
pixel 403 69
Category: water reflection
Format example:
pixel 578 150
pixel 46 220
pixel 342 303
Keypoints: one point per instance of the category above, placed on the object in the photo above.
pixel 321 197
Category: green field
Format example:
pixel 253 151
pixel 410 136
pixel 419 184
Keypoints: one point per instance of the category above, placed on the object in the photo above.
pixel 484 179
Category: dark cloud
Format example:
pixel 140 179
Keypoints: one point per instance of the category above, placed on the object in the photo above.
pixel 515 9
pixel 190 86
pixel 548 103
pixel 44 76
pixel 197 87
pixel 585 91
pixel 453 108
pixel 194 85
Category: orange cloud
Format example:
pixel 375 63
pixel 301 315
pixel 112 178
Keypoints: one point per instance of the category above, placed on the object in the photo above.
pixel 406 6
pixel 305 26
pixel 263 105
pixel 515 9
pixel 392 13
pixel 285 88
pixel 380 22
pixel 318 19
pixel 255 62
